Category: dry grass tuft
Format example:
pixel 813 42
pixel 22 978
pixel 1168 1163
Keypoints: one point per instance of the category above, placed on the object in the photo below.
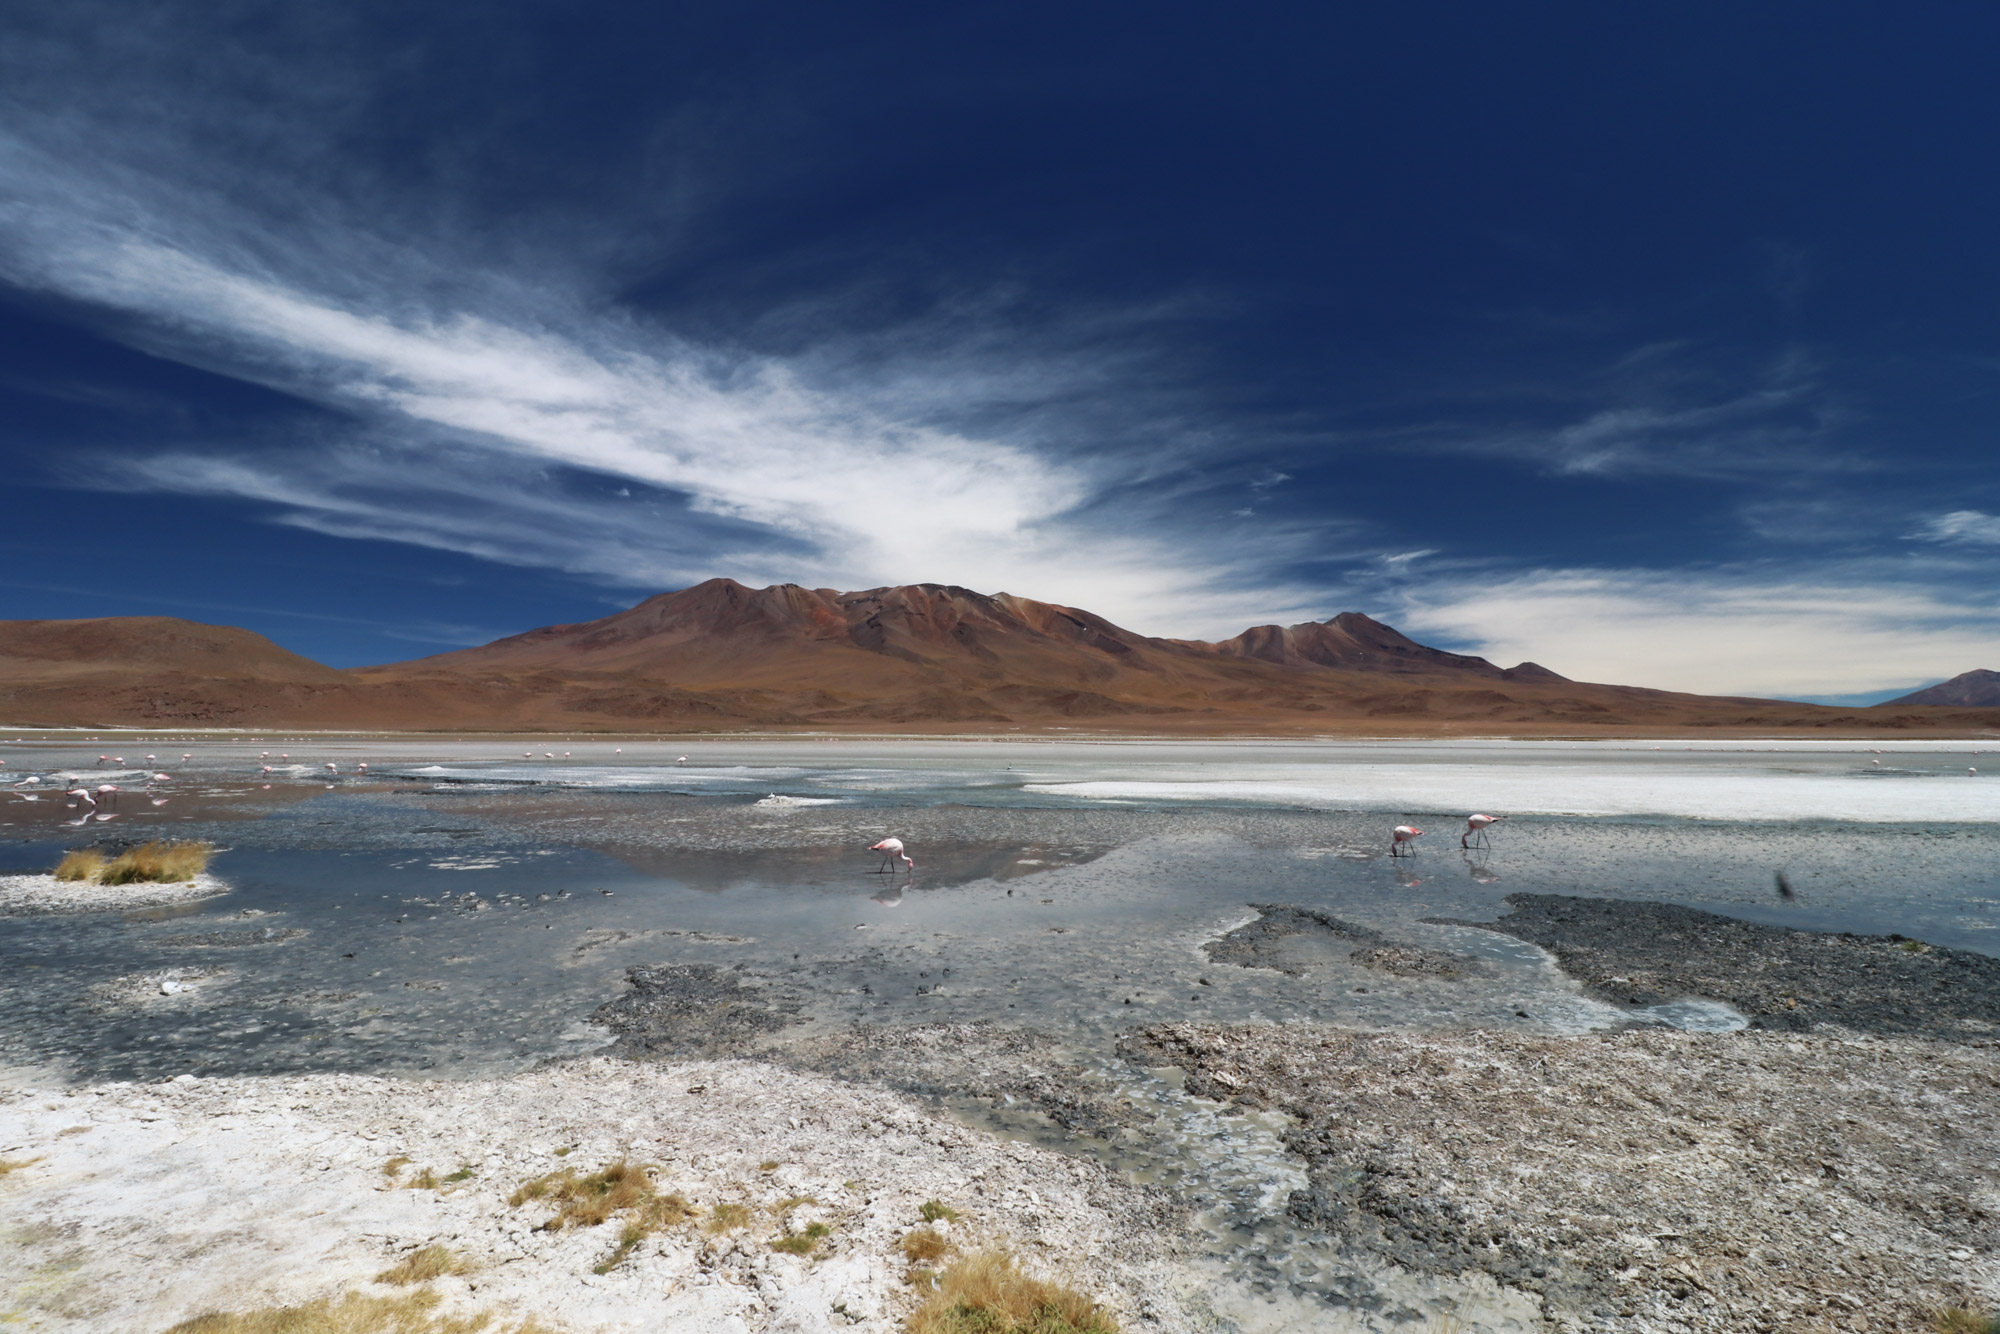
pixel 157 861
pixel 8 1165
pixel 1958 1320
pixel 728 1217
pixel 83 864
pixel 803 1243
pixel 586 1201
pixel 769 1165
pixel 988 1294
pixel 395 1165
pixel 421 1266
pixel 412 1313
pixel 933 1210
pixel 924 1245
pixel 791 1202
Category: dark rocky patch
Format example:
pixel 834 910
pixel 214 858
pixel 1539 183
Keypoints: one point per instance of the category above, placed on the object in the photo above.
pixel 1413 961
pixel 696 1009
pixel 1640 954
pixel 1260 944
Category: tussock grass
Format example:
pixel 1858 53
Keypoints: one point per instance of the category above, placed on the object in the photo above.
pixel 769 1165
pixel 803 1243
pixel 412 1313
pixel 988 1294
pixel 395 1165
pixel 425 1264
pixel 157 861
pixel 83 864
pixel 8 1165
pixel 618 1188
pixel 791 1202
pixel 728 1217
pixel 933 1210
pixel 1959 1320
pixel 924 1245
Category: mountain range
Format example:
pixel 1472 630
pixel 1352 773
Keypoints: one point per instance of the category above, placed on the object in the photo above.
pixel 919 657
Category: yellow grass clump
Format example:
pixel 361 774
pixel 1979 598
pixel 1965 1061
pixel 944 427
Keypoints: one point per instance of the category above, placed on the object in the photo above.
pixel 586 1201
pixel 988 1294
pixel 1958 1320
pixel 83 864
pixel 16 1164
pixel 924 1245
pixel 157 861
pixel 413 1313
pixel 424 1264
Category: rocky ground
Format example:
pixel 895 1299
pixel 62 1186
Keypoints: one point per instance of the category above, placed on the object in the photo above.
pixel 1646 1179
pixel 131 1207
pixel 1641 954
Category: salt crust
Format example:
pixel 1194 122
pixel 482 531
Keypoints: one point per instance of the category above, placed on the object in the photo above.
pixel 23 895
pixel 153 1203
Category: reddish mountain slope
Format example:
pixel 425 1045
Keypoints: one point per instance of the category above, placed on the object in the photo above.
pixel 924 657
pixel 36 649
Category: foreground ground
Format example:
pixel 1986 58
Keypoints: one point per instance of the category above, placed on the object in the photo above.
pixel 1647 1179
pixel 129 1208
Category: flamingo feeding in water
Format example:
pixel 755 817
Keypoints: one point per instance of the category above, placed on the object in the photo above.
pixel 1402 834
pixel 1475 829
pixel 891 849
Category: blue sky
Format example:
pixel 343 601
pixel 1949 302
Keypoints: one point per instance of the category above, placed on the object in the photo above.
pixel 1656 343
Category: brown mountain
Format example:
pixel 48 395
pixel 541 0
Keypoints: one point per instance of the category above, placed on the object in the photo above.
pixel 924 657
pixel 1976 689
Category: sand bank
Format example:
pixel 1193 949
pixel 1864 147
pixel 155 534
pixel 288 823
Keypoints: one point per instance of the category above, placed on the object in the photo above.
pixel 21 895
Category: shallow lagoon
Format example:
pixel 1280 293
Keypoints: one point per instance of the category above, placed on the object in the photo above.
pixel 464 909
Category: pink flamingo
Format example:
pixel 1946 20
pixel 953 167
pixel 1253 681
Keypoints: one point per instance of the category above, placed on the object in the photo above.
pixel 1475 829
pixel 891 849
pixel 109 792
pixel 1402 834
pixel 81 793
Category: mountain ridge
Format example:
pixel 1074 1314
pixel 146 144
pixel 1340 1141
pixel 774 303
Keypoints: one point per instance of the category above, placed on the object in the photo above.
pixel 722 655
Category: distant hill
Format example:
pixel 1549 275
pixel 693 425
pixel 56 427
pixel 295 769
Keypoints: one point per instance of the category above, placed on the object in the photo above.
pixel 918 657
pixel 1977 689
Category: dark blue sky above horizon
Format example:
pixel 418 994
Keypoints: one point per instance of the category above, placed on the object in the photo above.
pixel 1654 343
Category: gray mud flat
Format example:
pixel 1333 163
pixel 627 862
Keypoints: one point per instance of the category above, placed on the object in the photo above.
pixel 675 1010
pixel 1290 939
pixel 1698 1182
pixel 1642 954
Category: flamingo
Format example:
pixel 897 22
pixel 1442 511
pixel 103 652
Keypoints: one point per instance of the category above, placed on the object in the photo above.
pixel 108 791
pixel 1475 829
pixel 81 793
pixel 682 760
pixel 267 769
pixel 891 849
pixel 362 767
pixel 188 755
pixel 331 767
pixel 1402 834
pixel 152 759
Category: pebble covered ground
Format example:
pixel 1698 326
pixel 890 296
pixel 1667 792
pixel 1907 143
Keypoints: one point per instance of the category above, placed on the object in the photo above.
pixel 1646 1179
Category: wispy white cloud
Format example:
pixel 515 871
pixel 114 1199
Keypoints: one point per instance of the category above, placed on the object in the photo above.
pixel 1971 527
pixel 1718 632
pixel 775 469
